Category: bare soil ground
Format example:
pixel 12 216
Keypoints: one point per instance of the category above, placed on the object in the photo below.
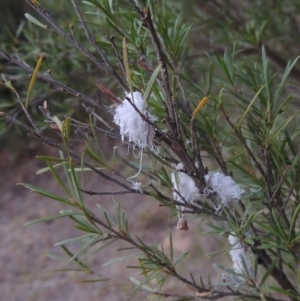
pixel 23 251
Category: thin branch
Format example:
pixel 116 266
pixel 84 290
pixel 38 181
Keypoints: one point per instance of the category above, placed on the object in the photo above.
pixel 239 22
pixel 279 276
pixel 103 66
pixel 287 199
pixel 160 57
pixel 26 111
pixel 269 179
pixel 90 192
pixel 114 46
pixel 77 159
pixel 97 171
pixel 241 138
pixel 49 79
pixel 108 69
pixel 170 269
pixel 146 18
pixel 275 193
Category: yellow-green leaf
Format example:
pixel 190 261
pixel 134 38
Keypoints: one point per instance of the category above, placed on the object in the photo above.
pixel 200 105
pixel 33 78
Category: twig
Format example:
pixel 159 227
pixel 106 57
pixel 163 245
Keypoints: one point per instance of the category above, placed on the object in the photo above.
pixel 269 179
pixel 103 66
pixel 160 58
pixel 35 133
pixel 112 41
pixel 238 23
pixel 77 159
pixel 26 111
pixel 196 151
pixel 90 192
pixel 57 85
pixel 241 138
pixel 73 33
pixel 274 195
pixel 146 18
pixel 108 68
pixel 266 261
pixel 287 197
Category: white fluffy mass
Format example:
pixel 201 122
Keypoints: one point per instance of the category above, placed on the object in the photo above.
pixel 132 126
pixel 185 185
pixel 239 255
pixel 227 190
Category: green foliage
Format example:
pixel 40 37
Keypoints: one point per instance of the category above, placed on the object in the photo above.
pixel 234 114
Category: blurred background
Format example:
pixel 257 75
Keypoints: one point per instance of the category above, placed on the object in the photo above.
pixel 215 26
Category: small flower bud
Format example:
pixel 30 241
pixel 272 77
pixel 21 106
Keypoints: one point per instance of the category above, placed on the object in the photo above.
pixel 182 224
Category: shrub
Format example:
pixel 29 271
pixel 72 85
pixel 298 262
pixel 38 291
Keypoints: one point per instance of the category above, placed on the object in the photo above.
pixel 231 114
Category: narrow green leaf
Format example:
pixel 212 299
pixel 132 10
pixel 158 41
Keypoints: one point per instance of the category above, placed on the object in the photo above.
pixel 290 143
pixel 181 258
pixel 47 158
pixel 80 169
pixel 94 280
pixel 84 248
pixel 82 223
pixel 74 258
pixel 160 159
pixel 137 282
pixel 250 220
pixel 142 284
pixel 226 64
pixel 273 246
pixel 279 90
pixel 278 130
pixel 266 72
pixel 279 229
pixel 109 219
pixel 293 221
pixel 76 182
pixel 151 83
pixel 126 64
pixel 249 106
pixel 120 259
pixel 282 291
pixel 46 219
pixel 75 239
pixel 67 174
pixel 58 179
pixel 45 169
pixel 47 194
pixel 64 270
pixel 67 128
pixel 262 297
pixel 227 270
pixel 104 245
pixel 35 21
pixel 171 245
pixel 95 135
pixel 92 154
pixel 268 272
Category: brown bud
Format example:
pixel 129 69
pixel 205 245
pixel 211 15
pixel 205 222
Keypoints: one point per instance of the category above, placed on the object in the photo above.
pixel 182 224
